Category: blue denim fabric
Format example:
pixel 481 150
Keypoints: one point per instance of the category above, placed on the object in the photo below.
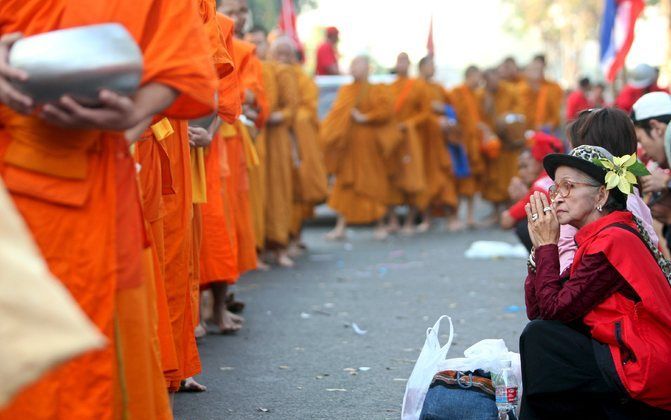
pixel 444 403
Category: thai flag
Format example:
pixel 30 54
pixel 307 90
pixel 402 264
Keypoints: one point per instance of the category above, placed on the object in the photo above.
pixel 617 34
pixel 287 21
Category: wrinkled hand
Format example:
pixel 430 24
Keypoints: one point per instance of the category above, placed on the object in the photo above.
pixel 655 182
pixel 276 118
pixel 545 229
pixel 199 137
pixel 358 116
pixel 116 113
pixel 517 189
pixel 9 95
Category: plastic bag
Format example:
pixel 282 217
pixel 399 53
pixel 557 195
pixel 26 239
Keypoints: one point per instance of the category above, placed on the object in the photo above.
pixel 486 355
pixel 494 249
pixel 425 368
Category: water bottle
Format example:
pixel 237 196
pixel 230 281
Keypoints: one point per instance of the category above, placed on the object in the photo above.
pixel 506 386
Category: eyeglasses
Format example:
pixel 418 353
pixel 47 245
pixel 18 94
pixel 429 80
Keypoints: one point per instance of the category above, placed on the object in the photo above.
pixel 564 188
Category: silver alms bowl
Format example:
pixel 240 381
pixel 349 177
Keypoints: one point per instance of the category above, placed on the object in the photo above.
pixel 78 62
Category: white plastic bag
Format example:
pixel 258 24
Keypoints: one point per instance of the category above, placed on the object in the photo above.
pixel 425 368
pixel 494 250
pixel 486 355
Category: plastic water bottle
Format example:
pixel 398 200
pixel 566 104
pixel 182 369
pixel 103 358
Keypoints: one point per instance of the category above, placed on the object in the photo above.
pixel 506 386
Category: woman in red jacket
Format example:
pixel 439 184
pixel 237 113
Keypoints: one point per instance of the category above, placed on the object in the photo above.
pixel 599 345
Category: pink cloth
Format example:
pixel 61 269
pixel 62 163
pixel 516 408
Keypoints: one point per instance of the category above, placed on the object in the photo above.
pixel 567 246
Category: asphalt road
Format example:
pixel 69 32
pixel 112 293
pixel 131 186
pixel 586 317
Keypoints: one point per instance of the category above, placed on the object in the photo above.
pixel 299 355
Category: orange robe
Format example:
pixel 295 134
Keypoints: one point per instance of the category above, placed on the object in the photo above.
pixel 357 153
pixel 86 181
pixel 242 155
pixel 310 180
pixel 411 108
pixel 280 155
pixel 494 106
pixel 468 114
pixel 441 187
pixel 541 105
pixel 218 258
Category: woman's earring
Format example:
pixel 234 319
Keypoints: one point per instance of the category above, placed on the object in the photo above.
pixel 599 208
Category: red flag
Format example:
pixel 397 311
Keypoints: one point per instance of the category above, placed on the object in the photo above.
pixel 287 23
pixel 429 42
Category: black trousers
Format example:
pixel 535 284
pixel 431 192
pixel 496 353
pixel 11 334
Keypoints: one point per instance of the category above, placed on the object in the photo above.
pixel 568 375
pixel 522 232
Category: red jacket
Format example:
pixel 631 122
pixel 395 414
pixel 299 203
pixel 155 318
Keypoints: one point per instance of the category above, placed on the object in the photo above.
pixel 638 333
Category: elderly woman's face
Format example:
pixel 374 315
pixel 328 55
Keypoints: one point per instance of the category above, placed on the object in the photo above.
pixel 577 197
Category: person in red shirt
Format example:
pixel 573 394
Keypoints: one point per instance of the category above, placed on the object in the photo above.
pixel 531 178
pixel 327 54
pixel 643 80
pixel 578 99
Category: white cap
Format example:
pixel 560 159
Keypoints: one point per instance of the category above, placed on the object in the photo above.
pixel 650 105
pixel 642 76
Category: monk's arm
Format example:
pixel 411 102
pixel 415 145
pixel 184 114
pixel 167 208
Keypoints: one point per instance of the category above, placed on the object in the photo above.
pixel 289 97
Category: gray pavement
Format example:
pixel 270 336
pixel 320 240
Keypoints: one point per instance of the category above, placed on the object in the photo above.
pixel 298 356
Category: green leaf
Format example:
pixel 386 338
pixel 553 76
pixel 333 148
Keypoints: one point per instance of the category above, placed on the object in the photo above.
pixel 639 169
pixel 630 177
pixel 612 180
pixel 630 160
pixel 624 186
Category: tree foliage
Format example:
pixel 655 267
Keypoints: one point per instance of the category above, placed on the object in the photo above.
pixel 266 12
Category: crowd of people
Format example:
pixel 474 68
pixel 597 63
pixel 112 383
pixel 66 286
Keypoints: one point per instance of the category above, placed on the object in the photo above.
pixel 228 159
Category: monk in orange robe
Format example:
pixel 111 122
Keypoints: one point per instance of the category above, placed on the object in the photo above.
pixel 499 102
pixel 72 164
pixel 411 108
pixel 441 189
pixel 240 148
pixel 358 137
pixel 509 72
pixel 280 151
pixel 218 260
pixel 541 99
pixel 311 183
pixel 466 106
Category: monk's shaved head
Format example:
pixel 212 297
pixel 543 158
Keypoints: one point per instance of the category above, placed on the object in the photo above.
pixel 259 37
pixel 402 64
pixel 427 68
pixel 236 10
pixel 360 68
pixel 283 50
pixel 473 77
pixel 492 78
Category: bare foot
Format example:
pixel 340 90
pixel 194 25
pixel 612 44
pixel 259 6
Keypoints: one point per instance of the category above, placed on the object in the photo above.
pixel 261 265
pixel 228 322
pixel 190 385
pixel 236 318
pixel 380 234
pixel 295 250
pixel 283 260
pixel 408 231
pixel 200 331
pixel 233 305
pixel 423 227
pixel 491 220
pixel 336 235
pixel 455 225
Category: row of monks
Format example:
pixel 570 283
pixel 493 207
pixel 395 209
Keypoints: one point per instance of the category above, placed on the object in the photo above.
pixel 136 233
pixel 416 144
